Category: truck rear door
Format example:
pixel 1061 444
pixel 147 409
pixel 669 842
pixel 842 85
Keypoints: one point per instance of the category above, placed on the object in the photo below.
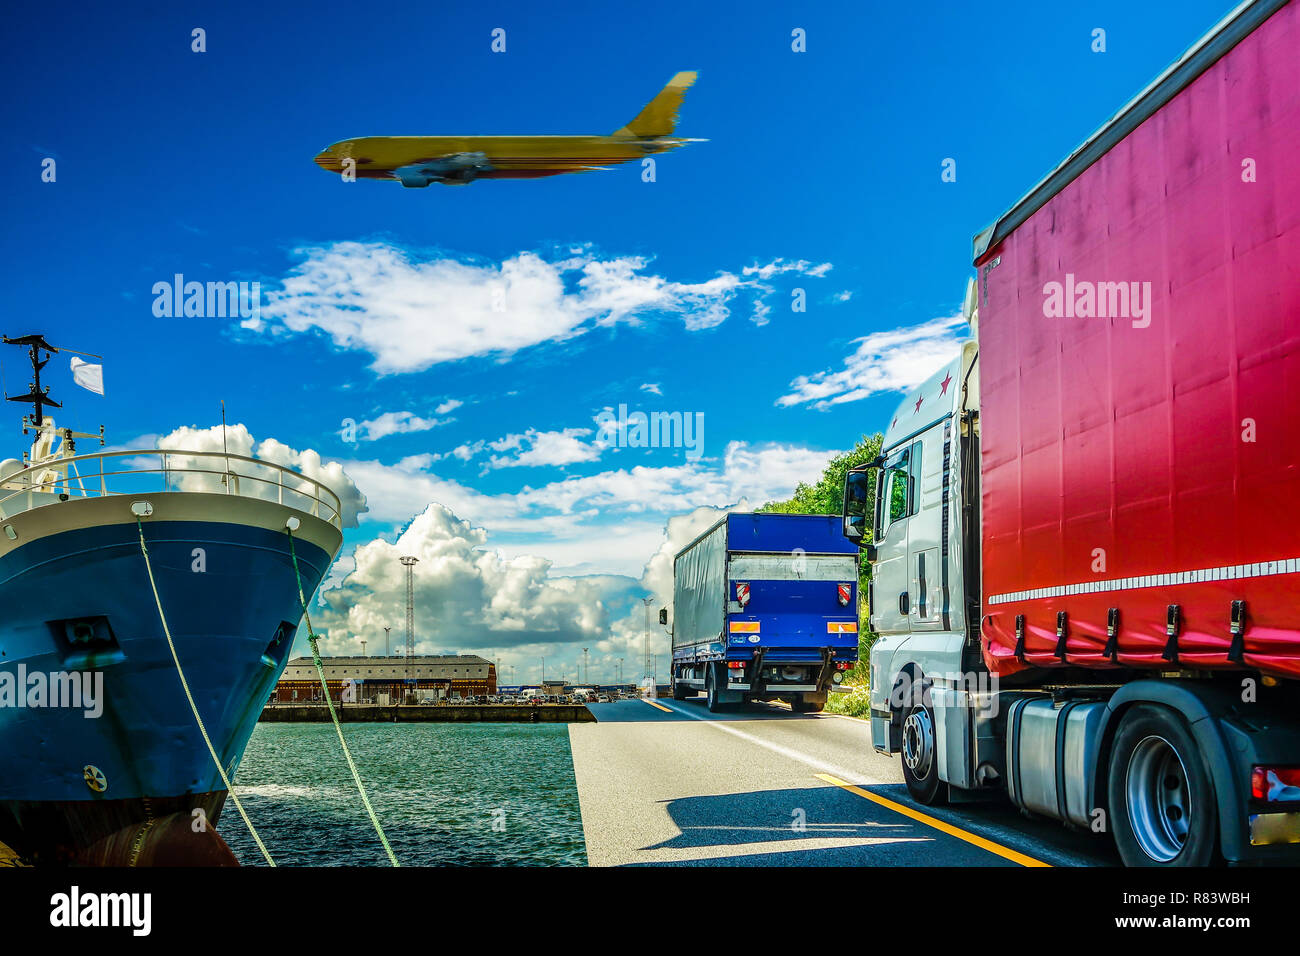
pixel 796 602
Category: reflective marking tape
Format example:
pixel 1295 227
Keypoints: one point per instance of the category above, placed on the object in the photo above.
pixel 841 627
pixel 1005 852
pixel 744 627
pixel 1235 572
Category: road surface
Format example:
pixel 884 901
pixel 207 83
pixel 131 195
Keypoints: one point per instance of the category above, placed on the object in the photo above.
pixel 668 783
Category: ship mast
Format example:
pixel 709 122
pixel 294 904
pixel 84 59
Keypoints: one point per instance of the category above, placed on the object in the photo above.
pixel 37 397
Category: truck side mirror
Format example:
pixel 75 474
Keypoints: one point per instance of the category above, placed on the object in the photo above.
pixel 857 489
pixel 663 615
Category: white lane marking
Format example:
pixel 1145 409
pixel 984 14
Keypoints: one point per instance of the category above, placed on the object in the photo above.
pixel 787 752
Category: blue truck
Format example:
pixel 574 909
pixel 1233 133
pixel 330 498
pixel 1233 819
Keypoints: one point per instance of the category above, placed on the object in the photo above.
pixel 765 607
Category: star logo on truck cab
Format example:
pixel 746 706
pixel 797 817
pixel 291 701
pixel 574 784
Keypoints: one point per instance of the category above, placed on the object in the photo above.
pixel 919 400
pixel 944 384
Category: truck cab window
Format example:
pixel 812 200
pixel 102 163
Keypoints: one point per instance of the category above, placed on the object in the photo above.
pixel 894 494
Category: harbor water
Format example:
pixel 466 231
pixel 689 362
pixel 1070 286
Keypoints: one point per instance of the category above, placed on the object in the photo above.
pixel 480 794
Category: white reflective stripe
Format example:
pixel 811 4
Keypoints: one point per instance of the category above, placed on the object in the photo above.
pixel 794 567
pixel 1235 572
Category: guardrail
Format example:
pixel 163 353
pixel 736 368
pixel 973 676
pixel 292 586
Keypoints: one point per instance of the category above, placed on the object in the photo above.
pixel 88 476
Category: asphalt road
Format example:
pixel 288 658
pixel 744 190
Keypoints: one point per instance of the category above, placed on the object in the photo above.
pixel 668 783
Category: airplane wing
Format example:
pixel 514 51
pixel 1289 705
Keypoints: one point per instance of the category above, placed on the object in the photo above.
pixel 456 169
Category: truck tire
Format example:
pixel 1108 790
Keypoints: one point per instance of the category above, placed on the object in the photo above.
pixel 711 687
pixel 1163 809
pixel 802 705
pixel 920 761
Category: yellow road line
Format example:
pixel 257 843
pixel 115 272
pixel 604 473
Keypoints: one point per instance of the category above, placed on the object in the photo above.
pixel 666 710
pixel 930 821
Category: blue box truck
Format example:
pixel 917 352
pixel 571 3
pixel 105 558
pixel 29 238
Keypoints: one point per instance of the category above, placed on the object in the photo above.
pixel 765 607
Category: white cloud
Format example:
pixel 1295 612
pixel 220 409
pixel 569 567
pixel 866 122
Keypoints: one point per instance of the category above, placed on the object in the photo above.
pixel 584 521
pixel 892 361
pixel 258 481
pixel 780 267
pixel 539 448
pixel 410 314
pixel 395 423
pixel 450 405
pixel 653 388
pixel 466 596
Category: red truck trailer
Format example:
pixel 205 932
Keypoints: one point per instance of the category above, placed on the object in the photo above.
pixel 1084 536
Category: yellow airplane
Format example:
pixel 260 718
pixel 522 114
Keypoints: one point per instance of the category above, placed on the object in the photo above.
pixel 417 161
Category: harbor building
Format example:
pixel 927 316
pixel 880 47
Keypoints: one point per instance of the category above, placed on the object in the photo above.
pixel 379 679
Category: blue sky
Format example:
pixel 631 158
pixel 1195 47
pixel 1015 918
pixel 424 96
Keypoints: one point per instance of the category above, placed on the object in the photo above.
pixel 822 166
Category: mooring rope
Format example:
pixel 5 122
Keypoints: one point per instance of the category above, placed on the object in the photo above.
pixel 144 549
pixel 320 669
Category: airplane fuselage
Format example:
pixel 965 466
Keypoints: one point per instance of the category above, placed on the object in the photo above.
pixel 503 157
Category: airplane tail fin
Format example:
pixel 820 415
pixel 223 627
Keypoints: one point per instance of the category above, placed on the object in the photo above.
pixel 659 116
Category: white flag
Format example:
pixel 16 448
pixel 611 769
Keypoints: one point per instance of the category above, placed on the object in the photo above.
pixel 90 377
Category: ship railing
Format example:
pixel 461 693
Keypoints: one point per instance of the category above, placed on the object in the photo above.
pixel 143 471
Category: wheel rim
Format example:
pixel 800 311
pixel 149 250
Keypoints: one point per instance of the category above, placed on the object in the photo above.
pixel 1159 799
pixel 918 743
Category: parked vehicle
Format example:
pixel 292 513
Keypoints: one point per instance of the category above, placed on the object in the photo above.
pixel 1084 562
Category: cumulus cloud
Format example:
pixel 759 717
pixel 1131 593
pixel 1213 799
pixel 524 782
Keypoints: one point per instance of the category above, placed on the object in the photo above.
pixel 260 481
pixel 892 361
pixel 481 586
pixel 410 313
pixel 540 448
pixel 396 423
pixel 466 595
pixel 653 388
pixel 450 405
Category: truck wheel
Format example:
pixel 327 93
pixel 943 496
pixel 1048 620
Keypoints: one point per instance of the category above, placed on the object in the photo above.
pixel 920 765
pixel 1162 804
pixel 801 705
pixel 711 687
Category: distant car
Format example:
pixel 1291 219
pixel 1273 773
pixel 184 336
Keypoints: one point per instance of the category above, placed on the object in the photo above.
pixel 603 699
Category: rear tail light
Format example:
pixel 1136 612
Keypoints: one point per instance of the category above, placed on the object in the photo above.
pixel 1275 784
pixel 736 665
pixel 843 665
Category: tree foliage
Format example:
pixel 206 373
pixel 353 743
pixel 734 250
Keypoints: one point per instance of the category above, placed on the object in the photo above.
pixel 826 495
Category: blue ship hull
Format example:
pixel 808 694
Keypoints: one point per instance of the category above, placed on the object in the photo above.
pixel 78 601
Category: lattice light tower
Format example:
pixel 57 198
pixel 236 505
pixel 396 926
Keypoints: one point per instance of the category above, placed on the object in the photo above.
pixel 409 563
pixel 648 666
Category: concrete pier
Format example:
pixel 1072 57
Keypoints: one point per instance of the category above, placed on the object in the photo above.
pixel 415 713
